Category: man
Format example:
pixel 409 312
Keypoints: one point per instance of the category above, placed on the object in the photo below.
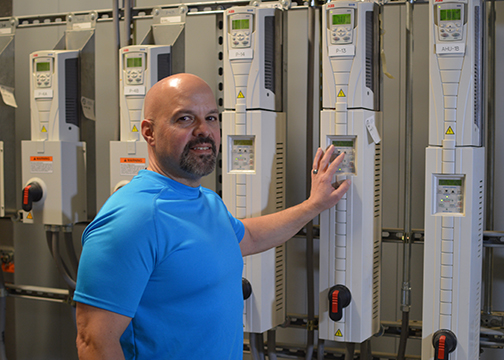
pixel 161 266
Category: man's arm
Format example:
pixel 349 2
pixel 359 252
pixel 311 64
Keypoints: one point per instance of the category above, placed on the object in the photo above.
pixel 265 232
pixel 98 333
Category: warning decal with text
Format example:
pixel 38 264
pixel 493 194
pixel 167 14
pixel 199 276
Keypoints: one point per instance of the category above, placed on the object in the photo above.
pixel 41 164
pixel 131 166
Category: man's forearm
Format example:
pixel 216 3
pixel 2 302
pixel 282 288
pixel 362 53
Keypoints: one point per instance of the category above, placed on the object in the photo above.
pixel 268 231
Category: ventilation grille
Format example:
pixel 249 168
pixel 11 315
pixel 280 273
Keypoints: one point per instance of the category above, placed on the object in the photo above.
pixel 377 236
pixel 477 68
pixel 71 92
pixel 269 53
pixel 369 50
pixel 280 177
pixel 480 219
pixel 279 278
pixel 164 66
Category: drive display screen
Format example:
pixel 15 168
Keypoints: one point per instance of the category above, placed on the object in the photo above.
pixel 343 143
pixel 240 24
pixel 449 14
pixel 134 62
pixel 450 182
pixel 342 19
pixel 244 142
pixel 43 66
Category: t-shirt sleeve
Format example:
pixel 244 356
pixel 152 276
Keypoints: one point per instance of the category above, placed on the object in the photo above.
pixel 238 227
pixel 118 257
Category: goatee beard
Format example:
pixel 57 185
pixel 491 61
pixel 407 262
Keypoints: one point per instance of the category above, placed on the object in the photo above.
pixel 199 165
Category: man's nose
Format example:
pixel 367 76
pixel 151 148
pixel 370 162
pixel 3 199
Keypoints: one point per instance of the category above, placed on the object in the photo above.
pixel 202 128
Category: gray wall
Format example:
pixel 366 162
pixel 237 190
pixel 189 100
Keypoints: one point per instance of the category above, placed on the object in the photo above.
pixel 41 330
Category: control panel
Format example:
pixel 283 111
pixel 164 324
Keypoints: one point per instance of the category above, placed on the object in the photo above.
pixel 341 25
pixel 449 195
pixel 241 30
pixel 450 19
pixel 346 145
pixel 134 68
pixel 242 153
pixel 43 72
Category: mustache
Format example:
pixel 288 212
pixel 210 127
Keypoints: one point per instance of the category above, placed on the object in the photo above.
pixel 201 140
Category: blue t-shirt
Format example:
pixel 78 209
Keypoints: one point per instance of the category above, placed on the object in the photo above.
pixel 168 256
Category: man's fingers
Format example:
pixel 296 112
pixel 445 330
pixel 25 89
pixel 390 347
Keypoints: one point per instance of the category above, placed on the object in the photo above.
pixel 316 160
pixel 324 162
pixel 336 163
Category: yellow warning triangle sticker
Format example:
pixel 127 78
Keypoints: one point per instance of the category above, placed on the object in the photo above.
pixel 134 129
pixel 341 93
pixel 43 129
pixel 30 216
pixel 450 131
pixel 338 333
pixel 240 95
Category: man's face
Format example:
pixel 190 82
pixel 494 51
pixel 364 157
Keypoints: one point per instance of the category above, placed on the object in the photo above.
pixel 187 134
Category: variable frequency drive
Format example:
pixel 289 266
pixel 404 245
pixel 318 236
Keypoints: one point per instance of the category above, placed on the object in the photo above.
pixel 253 147
pixel 350 232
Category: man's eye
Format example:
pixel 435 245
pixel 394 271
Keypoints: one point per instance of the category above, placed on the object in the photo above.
pixel 184 118
pixel 212 118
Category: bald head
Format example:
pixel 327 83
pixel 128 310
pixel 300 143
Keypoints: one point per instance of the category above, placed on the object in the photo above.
pixel 167 90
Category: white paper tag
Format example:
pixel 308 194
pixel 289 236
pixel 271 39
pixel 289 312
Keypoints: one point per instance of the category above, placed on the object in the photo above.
pixel 134 90
pixel 5 30
pixel 81 26
pixel 244 54
pixel 43 94
pixel 171 19
pixel 88 108
pixel 8 96
pixel 454 48
pixel 341 50
pixel 373 131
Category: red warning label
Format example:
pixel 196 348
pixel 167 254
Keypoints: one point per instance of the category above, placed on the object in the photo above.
pixel 41 158
pixel 133 160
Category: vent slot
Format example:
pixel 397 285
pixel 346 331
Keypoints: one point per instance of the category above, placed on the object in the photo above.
pixel 164 66
pixel 71 92
pixel 280 177
pixel 377 235
pixel 369 50
pixel 269 53
pixel 279 278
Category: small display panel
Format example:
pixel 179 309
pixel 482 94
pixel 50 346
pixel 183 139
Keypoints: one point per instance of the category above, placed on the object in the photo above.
pixel 346 143
pixel 43 66
pixel 342 19
pixel 240 24
pixel 450 182
pixel 449 196
pixel 242 154
pixel 449 14
pixel 243 142
pixel 134 62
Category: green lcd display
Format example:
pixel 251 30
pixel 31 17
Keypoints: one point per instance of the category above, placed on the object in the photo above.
pixel 134 62
pixel 240 24
pixel 244 142
pixel 343 143
pixel 43 66
pixel 450 182
pixel 342 19
pixel 449 14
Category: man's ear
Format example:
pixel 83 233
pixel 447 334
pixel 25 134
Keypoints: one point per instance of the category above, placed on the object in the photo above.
pixel 148 131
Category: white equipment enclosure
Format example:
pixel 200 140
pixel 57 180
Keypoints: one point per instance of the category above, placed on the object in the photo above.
pixel 350 232
pixel 253 147
pixel 454 184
